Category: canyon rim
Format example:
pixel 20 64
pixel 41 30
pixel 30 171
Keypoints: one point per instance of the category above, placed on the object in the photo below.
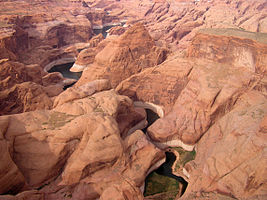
pixel 133 99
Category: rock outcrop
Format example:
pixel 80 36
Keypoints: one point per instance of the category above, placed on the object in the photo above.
pixel 117 30
pixel 204 93
pixel 174 23
pixel 26 87
pixel 131 53
pixel 234 161
pixel 24 97
pixel 76 149
pixel 85 90
pixel 160 85
pixel 87 56
pixel 12 73
pixel 211 91
pixel 11 41
pixel 212 84
pixel 7 165
pixel 171 23
pixel 177 21
pixel 35 37
pixel 201 65
pixel 240 48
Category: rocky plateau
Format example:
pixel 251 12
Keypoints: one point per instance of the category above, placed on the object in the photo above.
pixel 186 78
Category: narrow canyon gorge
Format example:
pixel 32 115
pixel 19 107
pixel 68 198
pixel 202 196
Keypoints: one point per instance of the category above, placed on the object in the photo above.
pixel 133 99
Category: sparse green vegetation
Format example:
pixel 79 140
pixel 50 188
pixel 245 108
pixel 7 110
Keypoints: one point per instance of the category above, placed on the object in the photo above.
pixel 156 183
pixel 260 37
pixel 257 114
pixel 243 112
pixel 99 109
pixel 184 157
pixel 57 120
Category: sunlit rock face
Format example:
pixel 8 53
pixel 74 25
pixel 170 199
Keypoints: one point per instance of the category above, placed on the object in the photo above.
pixel 85 139
pixel 233 162
pixel 200 87
pixel 199 65
pixel 231 46
pixel 129 54
pixel 206 87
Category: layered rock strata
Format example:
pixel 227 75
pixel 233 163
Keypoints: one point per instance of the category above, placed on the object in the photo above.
pixel 84 143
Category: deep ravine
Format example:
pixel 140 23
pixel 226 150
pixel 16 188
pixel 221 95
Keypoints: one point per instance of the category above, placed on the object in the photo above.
pixel 162 180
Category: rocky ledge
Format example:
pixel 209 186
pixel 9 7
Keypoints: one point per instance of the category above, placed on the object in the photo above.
pixel 181 78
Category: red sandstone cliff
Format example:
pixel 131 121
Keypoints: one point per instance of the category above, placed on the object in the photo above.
pixel 85 142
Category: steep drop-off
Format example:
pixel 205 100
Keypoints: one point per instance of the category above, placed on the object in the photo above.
pixel 200 65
